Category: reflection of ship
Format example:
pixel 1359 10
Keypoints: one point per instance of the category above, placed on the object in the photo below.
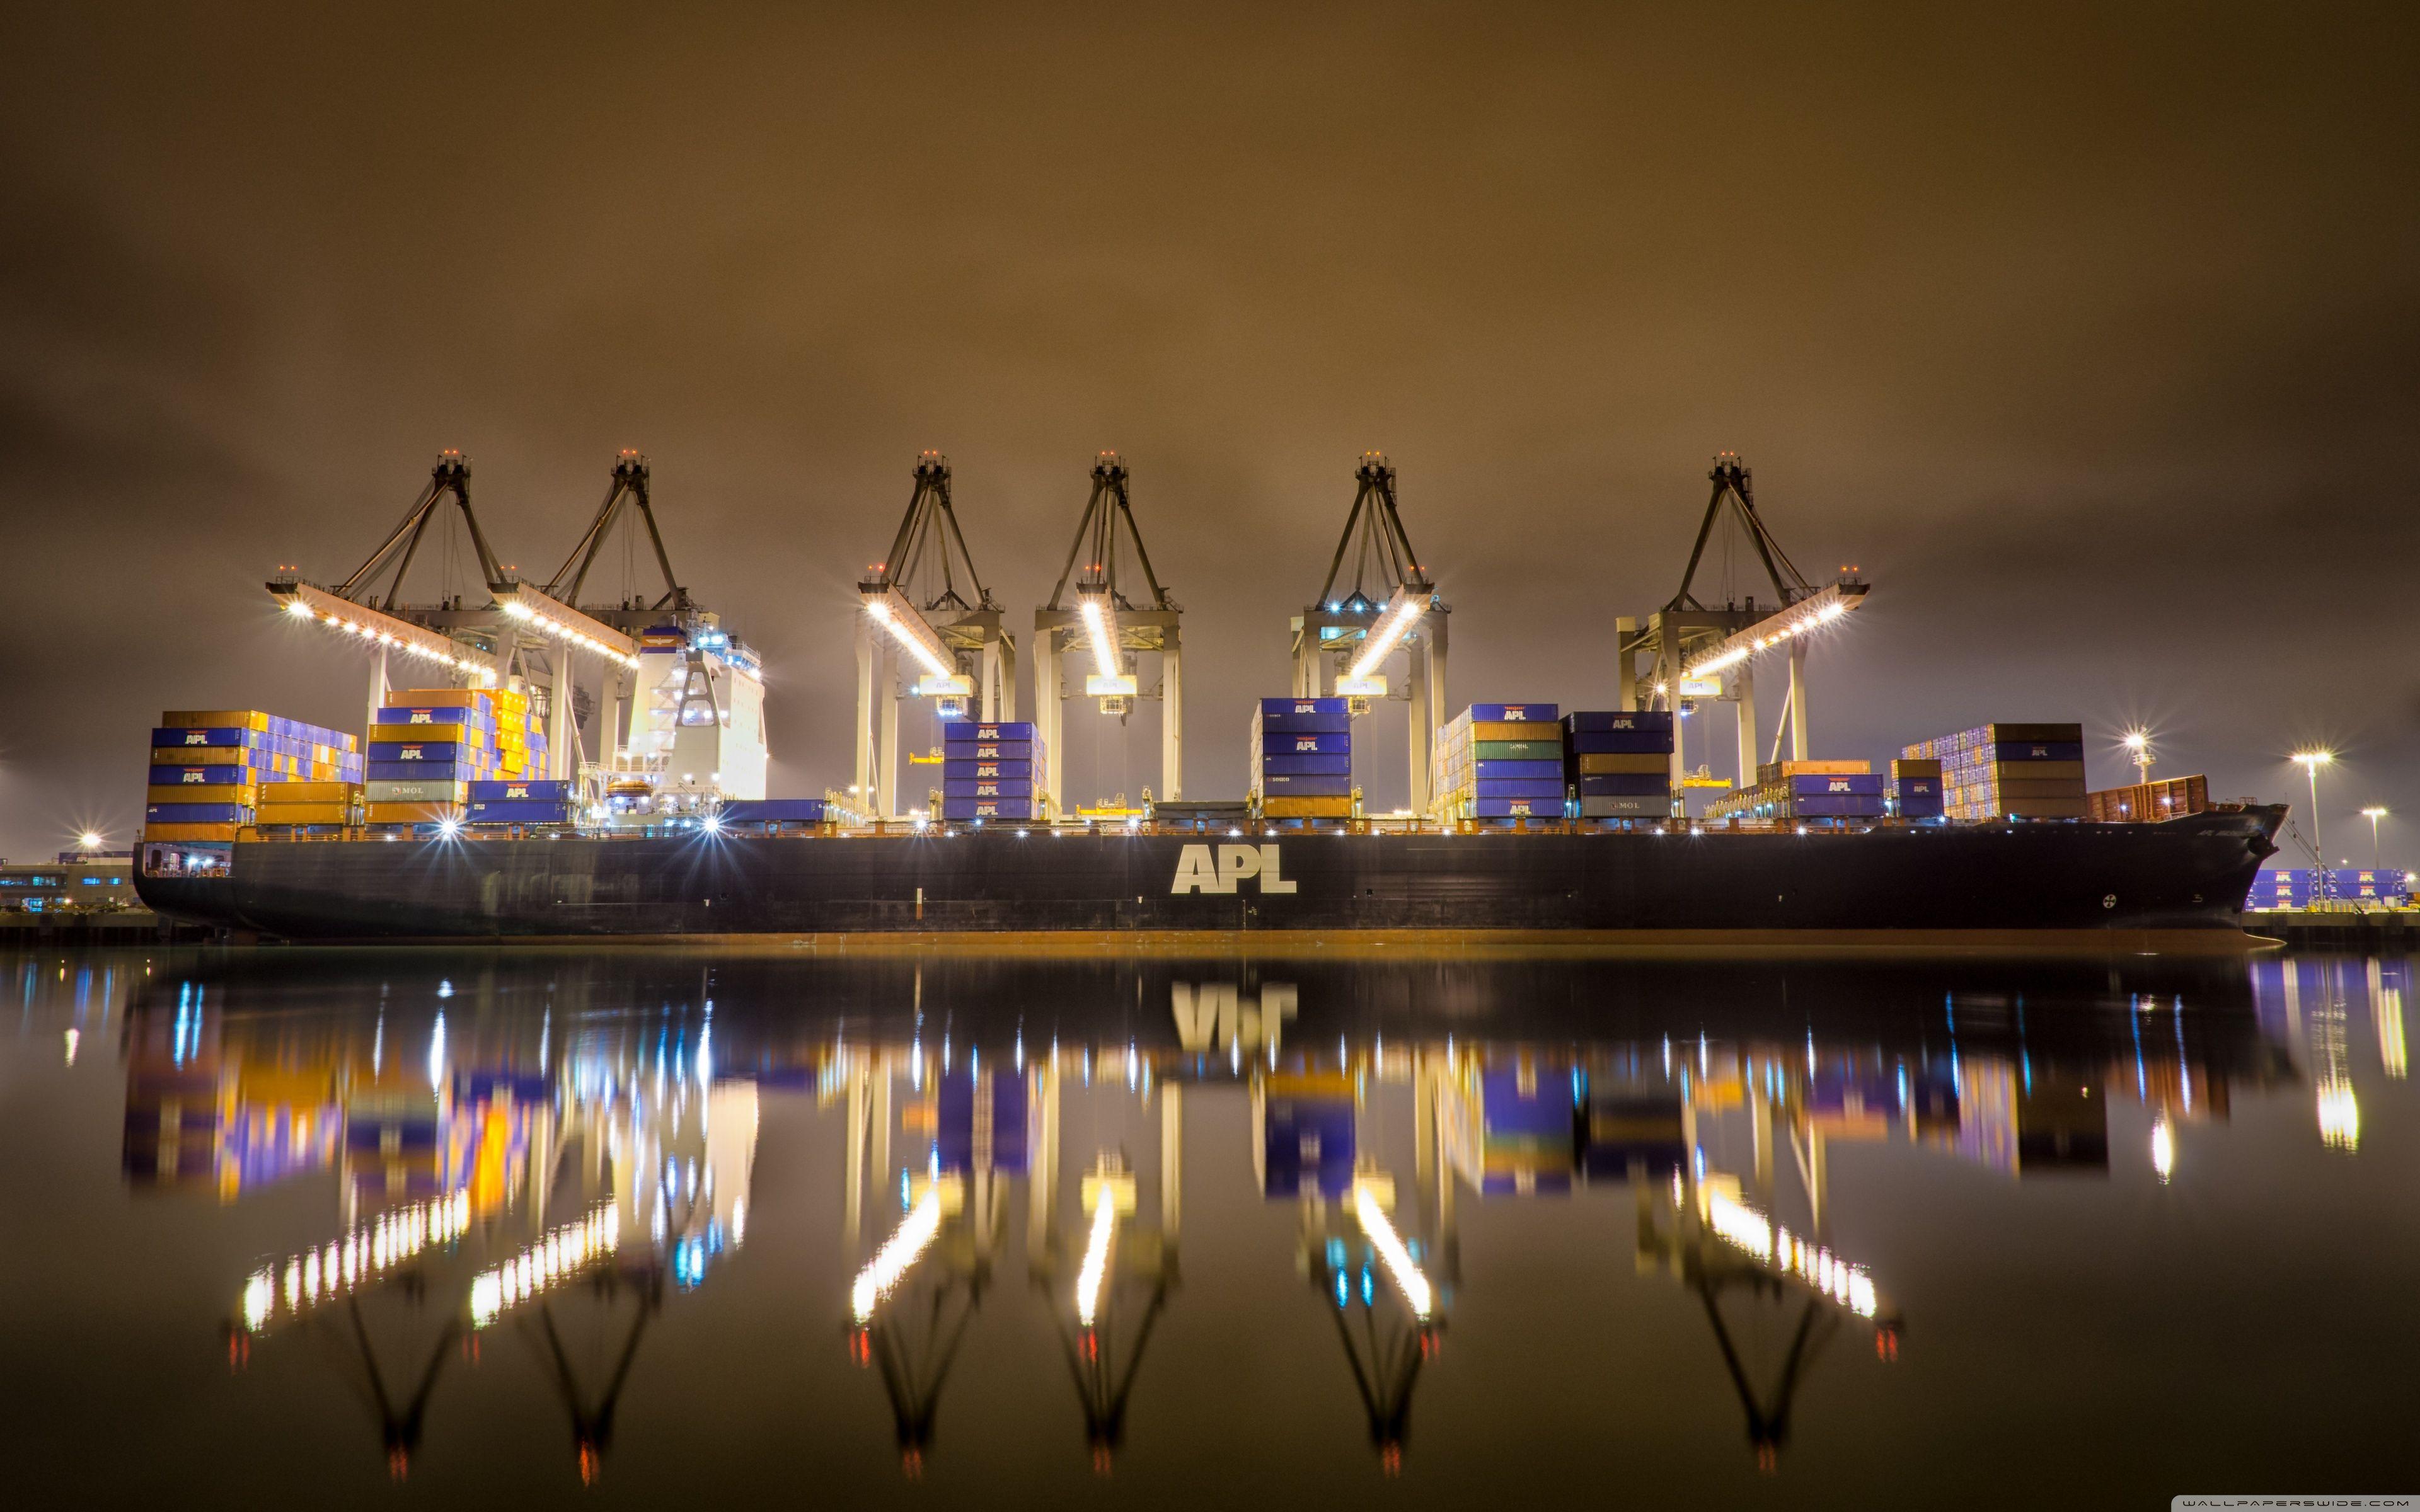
pixel 482 1182
pixel 544 1172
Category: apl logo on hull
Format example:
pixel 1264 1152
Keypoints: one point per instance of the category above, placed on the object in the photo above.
pixel 1199 871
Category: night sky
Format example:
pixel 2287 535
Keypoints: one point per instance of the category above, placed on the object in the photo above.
pixel 2095 341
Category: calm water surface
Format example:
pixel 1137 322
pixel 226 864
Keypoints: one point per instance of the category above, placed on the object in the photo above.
pixel 513 1228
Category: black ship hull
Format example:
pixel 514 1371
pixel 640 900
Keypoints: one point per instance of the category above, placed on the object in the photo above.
pixel 2014 880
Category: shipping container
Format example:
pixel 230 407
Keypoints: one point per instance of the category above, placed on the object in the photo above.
pixel 1282 785
pixel 1516 808
pixel 970 809
pixel 998 788
pixel 1520 787
pixel 520 812
pixel 188 834
pixel 1611 765
pixel 203 776
pixel 1300 743
pixel 1312 716
pixel 252 719
pixel 1306 808
pixel 1620 741
pixel 411 814
pixel 1513 769
pixel 1623 785
pixel 972 730
pixel 2149 802
pixel 1481 714
pixel 422 771
pixel 988 751
pixel 1618 720
pixel 527 789
pixel 197 813
pixel 1518 751
pixel 416 790
pixel 1624 808
pixel 243 792
pixel 1338 766
pixel 337 813
pixel 773 810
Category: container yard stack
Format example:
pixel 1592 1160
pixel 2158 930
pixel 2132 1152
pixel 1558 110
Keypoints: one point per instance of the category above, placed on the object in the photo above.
pixel 992 771
pixel 1302 758
pixel 2146 803
pixel 1618 765
pixel 2008 771
pixel 1500 761
pixel 1916 788
pixel 2299 887
pixel 1797 792
pixel 426 750
pixel 213 770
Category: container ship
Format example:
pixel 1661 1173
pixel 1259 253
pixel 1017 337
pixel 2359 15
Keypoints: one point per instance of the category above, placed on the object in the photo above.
pixel 475 812
pixel 1827 856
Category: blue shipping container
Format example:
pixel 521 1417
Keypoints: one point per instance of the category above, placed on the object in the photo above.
pixel 419 772
pixel 202 776
pixel 431 716
pixel 1624 785
pixel 984 771
pixel 520 812
pixel 1516 808
pixel 2038 750
pixel 1513 713
pixel 1520 787
pixel 1814 785
pixel 1846 806
pixel 554 791
pixel 1304 743
pixel 987 809
pixel 1016 787
pixel 1285 785
pixel 1927 806
pixel 967 730
pixel 1516 769
pixel 197 813
pixel 414 751
pixel 772 810
pixel 1620 743
pixel 1304 716
pixel 988 751
pixel 210 736
pixel 1615 721
pixel 1339 765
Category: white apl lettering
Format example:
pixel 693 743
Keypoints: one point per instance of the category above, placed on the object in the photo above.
pixel 1199 871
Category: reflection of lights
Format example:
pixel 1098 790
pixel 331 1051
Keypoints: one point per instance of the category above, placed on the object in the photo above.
pixel 1746 1229
pixel 2164 1149
pixel 72 1038
pixel 897 1254
pixel 1390 1246
pixel 1096 1256
pixel 542 1265
pixel 358 1259
pixel 2339 1115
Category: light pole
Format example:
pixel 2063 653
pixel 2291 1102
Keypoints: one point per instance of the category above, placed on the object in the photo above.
pixel 2374 814
pixel 2311 761
pixel 2138 744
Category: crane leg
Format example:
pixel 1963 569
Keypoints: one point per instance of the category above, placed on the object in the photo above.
pixel 886 776
pixel 1797 701
pixel 1746 726
pixel 1171 718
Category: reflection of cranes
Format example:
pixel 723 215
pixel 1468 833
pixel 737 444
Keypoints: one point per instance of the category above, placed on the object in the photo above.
pixel 401 1422
pixel 591 1420
pixel 1393 1338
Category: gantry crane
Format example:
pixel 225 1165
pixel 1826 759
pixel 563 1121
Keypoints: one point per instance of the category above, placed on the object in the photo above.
pixel 1693 650
pixel 695 697
pixel 513 634
pixel 1391 603
pixel 915 610
pixel 1106 622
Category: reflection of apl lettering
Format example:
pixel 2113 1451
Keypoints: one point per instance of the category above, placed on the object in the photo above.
pixel 1196 871
pixel 1213 1015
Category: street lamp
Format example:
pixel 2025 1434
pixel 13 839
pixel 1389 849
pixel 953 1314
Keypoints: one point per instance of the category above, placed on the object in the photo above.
pixel 90 839
pixel 2311 760
pixel 2373 814
pixel 2138 744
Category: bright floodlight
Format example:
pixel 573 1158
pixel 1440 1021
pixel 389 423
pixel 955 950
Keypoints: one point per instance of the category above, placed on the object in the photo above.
pixel 2374 813
pixel 2137 740
pixel 1406 607
pixel 2315 758
pixel 90 840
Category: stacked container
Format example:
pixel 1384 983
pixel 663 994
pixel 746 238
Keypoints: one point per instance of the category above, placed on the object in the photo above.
pixel 1916 788
pixel 992 771
pixel 1302 757
pixel 2008 771
pixel 211 770
pixel 2148 803
pixel 2302 886
pixel 1618 765
pixel 429 745
pixel 1797 791
pixel 1501 761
